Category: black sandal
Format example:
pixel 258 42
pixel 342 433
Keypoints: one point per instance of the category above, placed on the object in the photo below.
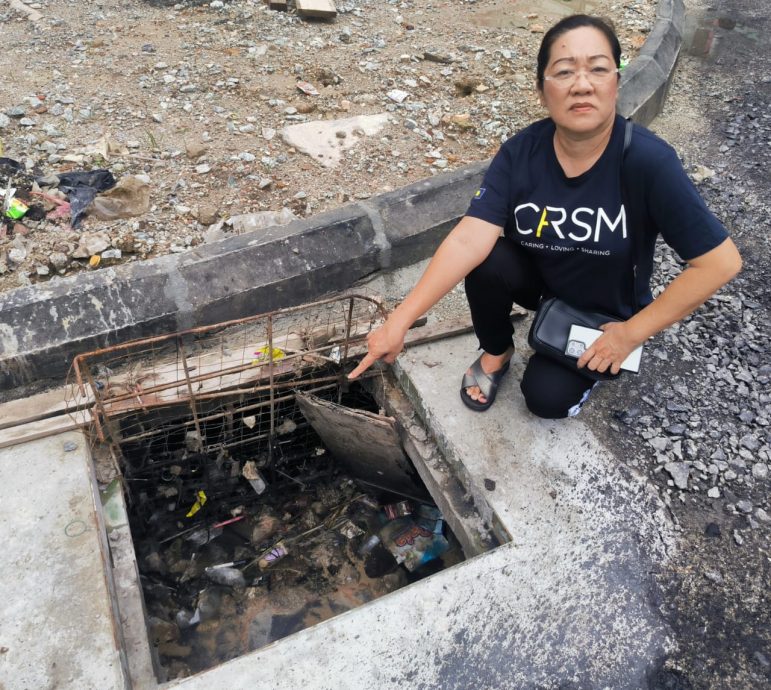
pixel 487 384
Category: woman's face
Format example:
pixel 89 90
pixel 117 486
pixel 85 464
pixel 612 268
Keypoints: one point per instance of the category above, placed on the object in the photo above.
pixel 580 105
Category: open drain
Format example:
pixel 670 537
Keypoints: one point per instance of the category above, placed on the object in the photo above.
pixel 234 555
pixel 265 493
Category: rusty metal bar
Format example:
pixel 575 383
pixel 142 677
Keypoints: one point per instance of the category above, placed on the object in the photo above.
pixel 271 393
pixel 314 326
pixel 228 324
pixel 344 357
pixel 228 371
pixel 114 434
pixel 78 377
pixel 181 350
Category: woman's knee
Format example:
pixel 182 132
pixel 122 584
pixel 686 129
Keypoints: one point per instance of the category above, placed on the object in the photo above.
pixel 552 391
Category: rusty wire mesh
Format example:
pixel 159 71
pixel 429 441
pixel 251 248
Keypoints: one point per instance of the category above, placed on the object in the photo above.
pixel 218 387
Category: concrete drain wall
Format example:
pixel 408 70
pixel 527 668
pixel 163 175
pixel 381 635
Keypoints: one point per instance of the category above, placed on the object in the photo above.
pixel 263 492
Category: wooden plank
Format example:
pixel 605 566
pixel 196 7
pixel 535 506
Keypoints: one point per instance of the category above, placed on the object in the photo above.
pixel 35 430
pixel 322 9
pixel 41 406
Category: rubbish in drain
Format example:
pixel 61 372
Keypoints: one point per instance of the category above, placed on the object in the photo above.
pixel 251 422
pixel 250 567
pixel 224 602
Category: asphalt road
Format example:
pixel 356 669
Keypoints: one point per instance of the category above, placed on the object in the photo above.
pixel 706 391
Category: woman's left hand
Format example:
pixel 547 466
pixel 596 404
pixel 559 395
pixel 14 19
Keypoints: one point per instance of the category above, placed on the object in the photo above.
pixel 609 350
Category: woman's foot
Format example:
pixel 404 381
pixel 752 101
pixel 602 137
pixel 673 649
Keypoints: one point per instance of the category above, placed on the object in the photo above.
pixel 486 373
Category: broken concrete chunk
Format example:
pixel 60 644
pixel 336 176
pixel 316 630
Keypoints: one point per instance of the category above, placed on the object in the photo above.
pixel 679 471
pixel 320 140
pixel 91 244
pixel 323 9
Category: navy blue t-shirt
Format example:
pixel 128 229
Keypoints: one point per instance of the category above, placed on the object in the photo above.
pixel 579 231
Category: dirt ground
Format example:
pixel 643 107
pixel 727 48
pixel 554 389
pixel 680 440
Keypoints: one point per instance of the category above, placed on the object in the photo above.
pixel 193 97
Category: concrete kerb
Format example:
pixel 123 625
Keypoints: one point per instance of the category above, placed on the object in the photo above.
pixel 645 82
pixel 44 326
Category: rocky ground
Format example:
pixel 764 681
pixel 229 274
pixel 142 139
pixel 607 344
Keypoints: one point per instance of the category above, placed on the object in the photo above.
pixel 698 421
pixel 189 103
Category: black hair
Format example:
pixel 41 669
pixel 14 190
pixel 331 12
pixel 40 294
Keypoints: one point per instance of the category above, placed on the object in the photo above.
pixel 574 21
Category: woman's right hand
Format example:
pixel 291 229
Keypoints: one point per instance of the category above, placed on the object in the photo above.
pixel 385 342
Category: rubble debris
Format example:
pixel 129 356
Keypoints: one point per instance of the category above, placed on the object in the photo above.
pixel 32 14
pixel 321 9
pixel 149 108
pixel 320 139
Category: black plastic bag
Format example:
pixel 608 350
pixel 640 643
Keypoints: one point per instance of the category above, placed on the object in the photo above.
pixel 81 188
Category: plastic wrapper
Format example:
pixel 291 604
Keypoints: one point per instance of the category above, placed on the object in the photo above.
pixel 230 577
pixel 412 544
pixel 430 518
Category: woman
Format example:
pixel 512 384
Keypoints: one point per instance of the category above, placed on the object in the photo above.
pixel 555 192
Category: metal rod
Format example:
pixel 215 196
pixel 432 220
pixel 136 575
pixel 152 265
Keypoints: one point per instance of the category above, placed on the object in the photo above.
pixel 344 358
pixel 78 377
pixel 232 322
pixel 181 350
pixel 271 393
pixel 114 434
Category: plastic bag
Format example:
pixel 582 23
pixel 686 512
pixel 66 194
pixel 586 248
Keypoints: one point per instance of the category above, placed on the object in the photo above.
pixel 130 197
pixel 81 187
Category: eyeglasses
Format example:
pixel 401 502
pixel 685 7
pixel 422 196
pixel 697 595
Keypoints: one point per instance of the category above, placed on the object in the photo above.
pixel 595 75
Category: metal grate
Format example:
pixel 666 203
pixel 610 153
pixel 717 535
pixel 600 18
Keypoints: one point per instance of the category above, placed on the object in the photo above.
pixel 219 387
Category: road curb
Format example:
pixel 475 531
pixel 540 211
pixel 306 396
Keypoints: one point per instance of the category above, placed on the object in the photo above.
pixel 44 326
pixel 645 82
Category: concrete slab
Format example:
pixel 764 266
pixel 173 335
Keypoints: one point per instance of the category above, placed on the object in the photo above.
pixel 56 612
pixel 325 141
